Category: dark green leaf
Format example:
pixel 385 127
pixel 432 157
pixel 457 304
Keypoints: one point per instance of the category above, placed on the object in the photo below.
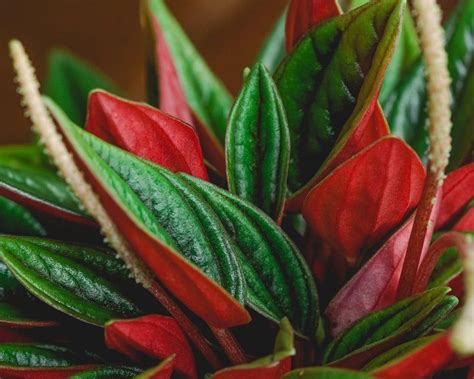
pixel 35 355
pixel 325 373
pixel 89 284
pixel 206 95
pixel 448 267
pixel 405 108
pixel 30 157
pixel 108 372
pixel 258 145
pixel 15 219
pixel 330 78
pixel 278 279
pixel 69 82
pixel 389 323
pixel 273 49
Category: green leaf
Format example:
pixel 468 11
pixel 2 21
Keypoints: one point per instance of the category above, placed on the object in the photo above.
pixel 273 49
pixel 258 145
pixel 69 82
pixel 28 156
pixel 206 95
pixel 85 283
pixel 18 316
pixel 389 323
pixel 36 355
pixel 448 267
pixel 396 352
pixel 326 373
pixel 405 108
pixel 15 219
pixel 173 218
pixel 108 372
pixel 279 283
pixel 330 78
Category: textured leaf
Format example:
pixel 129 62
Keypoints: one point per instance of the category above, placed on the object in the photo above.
pixel 108 372
pixel 69 82
pixel 43 191
pixel 361 201
pixel 325 373
pixel 258 144
pixel 405 107
pixel 304 14
pixel 169 226
pixel 279 283
pixel 145 132
pixel 327 87
pixel 85 283
pixel 273 49
pixel 384 327
pixel 207 99
pixel 273 366
pixel 14 219
pixel 424 361
pixel 154 336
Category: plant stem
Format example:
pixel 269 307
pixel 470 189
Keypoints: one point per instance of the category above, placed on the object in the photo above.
pixel 191 330
pixel 230 345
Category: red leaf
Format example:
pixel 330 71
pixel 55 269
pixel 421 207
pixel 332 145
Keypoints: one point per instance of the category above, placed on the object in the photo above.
pixel 42 373
pixel 421 363
pixel 458 190
pixel 146 132
pixel 466 222
pixel 274 371
pixel 11 335
pixel 173 100
pixel 303 14
pixel 163 371
pixel 362 200
pixel 153 336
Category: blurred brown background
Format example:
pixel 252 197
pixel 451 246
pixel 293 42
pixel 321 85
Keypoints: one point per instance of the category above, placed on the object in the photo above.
pixel 107 33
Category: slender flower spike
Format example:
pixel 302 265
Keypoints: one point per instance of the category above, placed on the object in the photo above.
pixel 291 214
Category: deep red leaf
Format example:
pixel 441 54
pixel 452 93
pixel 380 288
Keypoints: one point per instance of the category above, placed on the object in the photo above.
pixel 153 336
pixel 458 190
pixel 173 100
pixel 466 222
pixel 274 371
pixel 11 335
pixel 146 132
pixel 421 363
pixel 42 373
pixel 303 14
pixel 362 200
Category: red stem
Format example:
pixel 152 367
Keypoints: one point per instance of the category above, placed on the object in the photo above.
pixel 187 325
pixel 230 345
pixel 419 234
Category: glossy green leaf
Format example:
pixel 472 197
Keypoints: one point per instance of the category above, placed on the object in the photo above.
pixel 439 314
pixel 405 108
pixel 279 283
pixel 69 82
pixel 36 355
pixel 86 283
pixel 448 267
pixel 27 156
pixel 326 373
pixel 389 323
pixel 15 219
pixel 206 95
pixel 273 49
pixel 258 144
pixel 177 226
pixel 396 352
pixel 108 372
pixel 329 79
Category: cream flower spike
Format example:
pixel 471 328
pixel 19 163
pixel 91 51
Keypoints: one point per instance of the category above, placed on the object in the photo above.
pixel 28 88
pixel 462 338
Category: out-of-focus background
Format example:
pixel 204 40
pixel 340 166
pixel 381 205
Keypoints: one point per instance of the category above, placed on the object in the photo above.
pixel 107 33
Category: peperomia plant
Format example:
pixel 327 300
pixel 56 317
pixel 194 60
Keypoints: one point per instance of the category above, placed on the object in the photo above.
pixel 286 233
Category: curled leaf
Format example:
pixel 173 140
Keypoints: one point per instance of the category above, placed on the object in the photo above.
pixel 258 145
pixel 145 132
pixel 361 201
pixel 154 336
